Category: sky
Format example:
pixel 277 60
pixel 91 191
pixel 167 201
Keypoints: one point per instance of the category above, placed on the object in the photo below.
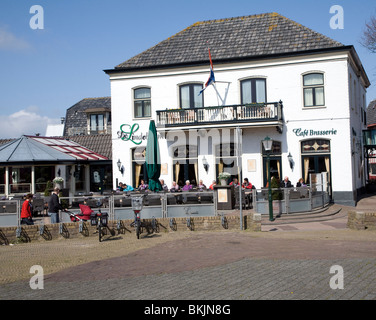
pixel 49 64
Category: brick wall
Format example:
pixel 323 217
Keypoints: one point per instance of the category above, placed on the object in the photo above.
pixel 361 220
pixel 251 222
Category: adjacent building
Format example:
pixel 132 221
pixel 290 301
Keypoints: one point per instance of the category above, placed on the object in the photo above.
pixel 273 77
pixel 28 163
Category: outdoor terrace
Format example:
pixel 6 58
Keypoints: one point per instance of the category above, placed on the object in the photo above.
pixel 268 114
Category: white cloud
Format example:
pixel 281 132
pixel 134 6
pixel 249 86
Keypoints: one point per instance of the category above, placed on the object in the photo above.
pixel 26 121
pixel 8 41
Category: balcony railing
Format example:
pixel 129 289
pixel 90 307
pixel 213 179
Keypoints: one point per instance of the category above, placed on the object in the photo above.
pixel 246 113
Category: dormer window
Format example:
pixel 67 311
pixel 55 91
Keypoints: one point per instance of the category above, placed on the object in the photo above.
pixel 98 120
pixel 96 123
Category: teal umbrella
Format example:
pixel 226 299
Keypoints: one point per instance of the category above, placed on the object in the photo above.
pixel 152 159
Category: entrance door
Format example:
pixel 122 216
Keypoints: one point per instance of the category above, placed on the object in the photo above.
pixel 316 159
pixel 275 168
pixel 315 164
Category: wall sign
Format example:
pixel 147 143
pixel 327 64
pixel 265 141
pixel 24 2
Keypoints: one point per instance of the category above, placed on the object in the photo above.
pixel 127 133
pixel 299 132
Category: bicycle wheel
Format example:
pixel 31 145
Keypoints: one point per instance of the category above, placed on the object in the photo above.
pixel 138 227
pixel 100 230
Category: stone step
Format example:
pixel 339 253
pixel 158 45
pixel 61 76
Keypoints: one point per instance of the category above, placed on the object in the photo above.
pixel 328 213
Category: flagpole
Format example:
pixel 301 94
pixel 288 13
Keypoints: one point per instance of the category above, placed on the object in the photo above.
pixel 215 88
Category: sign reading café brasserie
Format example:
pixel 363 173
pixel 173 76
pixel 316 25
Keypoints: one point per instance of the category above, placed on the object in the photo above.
pixel 299 132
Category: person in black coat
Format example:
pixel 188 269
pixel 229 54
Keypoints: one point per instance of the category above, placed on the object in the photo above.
pixel 54 206
pixel 286 183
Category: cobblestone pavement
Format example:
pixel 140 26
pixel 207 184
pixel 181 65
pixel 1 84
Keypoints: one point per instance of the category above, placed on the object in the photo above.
pixel 201 265
pixel 283 262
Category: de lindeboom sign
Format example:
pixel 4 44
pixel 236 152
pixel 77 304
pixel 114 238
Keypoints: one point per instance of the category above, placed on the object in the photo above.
pixel 127 133
pixel 299 132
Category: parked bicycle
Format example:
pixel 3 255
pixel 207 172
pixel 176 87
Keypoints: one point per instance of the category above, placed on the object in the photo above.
pixel 100 220
pixel 137 204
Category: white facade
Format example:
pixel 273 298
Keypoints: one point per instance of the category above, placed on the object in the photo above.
pixel 340 120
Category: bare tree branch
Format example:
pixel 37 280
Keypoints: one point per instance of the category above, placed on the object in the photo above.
pixel 369 35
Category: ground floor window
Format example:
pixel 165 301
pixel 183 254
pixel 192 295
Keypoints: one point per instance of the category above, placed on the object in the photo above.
pixel 185 165
pixel 79 175
pixel 2 180
pixel 275 168
pixel 275 162
pixel 43 174
pixel 139 167
pixel 100 178
pixel 19 179
pixel 226 160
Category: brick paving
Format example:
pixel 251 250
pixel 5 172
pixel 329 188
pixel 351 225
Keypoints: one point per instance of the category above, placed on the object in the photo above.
pixel 293 263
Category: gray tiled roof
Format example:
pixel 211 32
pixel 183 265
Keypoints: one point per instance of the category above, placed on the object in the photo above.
pixel 371 114
pixel 99 143
pixel 233 38
pixel 76 118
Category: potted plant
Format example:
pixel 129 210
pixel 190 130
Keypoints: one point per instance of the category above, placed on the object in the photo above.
pixel 58 182
pixel 223 176
pixel 49 187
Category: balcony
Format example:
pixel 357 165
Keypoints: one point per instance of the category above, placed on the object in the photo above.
pixel 265 114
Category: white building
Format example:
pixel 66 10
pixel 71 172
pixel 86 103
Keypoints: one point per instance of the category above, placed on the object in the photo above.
pixel 274 77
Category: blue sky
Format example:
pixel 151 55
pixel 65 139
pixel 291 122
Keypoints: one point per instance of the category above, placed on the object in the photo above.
pixel 45 71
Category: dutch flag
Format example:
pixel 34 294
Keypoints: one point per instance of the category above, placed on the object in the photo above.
pixel 211 77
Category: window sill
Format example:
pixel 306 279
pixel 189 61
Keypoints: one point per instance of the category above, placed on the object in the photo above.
pixel 142 118
pixel 314 107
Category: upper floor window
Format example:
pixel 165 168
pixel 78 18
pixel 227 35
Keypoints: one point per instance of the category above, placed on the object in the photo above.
pixel 189 96
pixel 96 123
pixel 253 91
pixel 142 103
pixel 313 87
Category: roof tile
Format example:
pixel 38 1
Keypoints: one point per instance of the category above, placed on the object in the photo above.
pixel 247 36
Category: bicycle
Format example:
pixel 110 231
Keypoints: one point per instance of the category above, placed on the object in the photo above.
pixel 100 220
pixel 137 204
pixel 137 224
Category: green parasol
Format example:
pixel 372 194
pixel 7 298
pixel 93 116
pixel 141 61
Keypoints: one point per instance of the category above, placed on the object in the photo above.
pixel 152 159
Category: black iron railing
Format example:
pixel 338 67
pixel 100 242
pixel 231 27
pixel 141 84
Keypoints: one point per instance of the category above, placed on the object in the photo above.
pixel 261 112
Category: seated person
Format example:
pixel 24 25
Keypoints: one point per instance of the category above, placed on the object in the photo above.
pixel 246 184
pixel 174 187
pixel 142 186
pixel 301 183
pixel 235 182
pixel 164 186
pixel 201 185
pixel 187 186
pixel 127 188
pixel 214 183
pixel 286 183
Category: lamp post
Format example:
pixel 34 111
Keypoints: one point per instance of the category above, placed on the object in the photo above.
pixel 268 143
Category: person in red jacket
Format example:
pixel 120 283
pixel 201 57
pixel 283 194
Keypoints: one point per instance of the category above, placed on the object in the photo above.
pixel 26 211
pixel 246 184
